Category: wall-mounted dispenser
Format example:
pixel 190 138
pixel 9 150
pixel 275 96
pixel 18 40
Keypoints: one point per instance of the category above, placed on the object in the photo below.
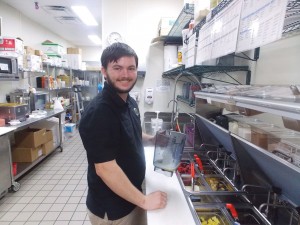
pixel 149 96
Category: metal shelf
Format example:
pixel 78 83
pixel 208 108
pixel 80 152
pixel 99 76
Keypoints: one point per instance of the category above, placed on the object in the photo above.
pixel 55 90
pixel 200 70
pixel 186 14
pixel 185 100
pixel 175 34
pixel 292 18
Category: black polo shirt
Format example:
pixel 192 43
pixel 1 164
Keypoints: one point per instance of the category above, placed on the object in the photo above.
pixel 111 129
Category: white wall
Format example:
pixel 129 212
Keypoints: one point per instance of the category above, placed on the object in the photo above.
pixel 279 63
pixel 15 24
pixel 91 53
pixel 137 21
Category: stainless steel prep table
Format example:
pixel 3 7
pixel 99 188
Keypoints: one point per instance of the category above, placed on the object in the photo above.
pixel 24 167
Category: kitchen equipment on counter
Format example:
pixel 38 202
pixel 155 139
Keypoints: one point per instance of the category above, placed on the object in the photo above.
pixel 168 151
pixel 5 171
pixel 38 100
pixel 13 111
pixel 9 68
pixel 19 96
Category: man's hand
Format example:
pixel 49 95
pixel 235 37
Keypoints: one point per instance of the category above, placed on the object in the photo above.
pixel 155 200
pixel 148 140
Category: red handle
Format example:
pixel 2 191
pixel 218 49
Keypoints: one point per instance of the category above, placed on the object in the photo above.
pixel 232 211
pixel 199 162
pixel 192 170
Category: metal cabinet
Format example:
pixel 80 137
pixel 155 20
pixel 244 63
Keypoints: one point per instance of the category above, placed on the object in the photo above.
pixel 5 167
pixel 255 143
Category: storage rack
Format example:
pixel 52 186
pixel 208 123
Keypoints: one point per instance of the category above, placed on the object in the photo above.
pixel 200 70
pixel 182 20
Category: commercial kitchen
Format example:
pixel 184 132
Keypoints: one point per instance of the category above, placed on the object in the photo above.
pixel 221 78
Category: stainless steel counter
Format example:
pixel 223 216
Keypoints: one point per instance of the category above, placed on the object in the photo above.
pixel 177 210
pixel 24 167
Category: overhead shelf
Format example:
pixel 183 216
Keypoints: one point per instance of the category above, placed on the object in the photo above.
pixel 200 70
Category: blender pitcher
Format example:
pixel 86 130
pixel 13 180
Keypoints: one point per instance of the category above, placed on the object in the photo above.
pixel 168 151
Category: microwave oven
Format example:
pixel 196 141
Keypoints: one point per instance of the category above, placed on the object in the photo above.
pixel 9 69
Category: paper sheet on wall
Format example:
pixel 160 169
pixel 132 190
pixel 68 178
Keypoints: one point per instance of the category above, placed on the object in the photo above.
pixel 225 31
pixel 163 85
pixel 219 36
pixel 204 43
pixel 261 23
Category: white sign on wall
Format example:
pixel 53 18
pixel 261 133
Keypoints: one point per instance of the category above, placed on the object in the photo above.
pixel 163 85
pixel 261 23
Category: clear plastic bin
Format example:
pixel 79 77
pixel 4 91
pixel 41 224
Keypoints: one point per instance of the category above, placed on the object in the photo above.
pixel 168 150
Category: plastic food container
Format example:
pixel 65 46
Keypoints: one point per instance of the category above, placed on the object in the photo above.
pixel 168 151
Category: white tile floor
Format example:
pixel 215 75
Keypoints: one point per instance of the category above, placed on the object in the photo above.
pixel 54 192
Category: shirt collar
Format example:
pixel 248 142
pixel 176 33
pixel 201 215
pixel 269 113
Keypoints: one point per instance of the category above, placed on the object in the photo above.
pixel 109 90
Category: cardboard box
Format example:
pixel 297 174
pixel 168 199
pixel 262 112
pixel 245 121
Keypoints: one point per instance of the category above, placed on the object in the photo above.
pixel 30 138
pixel 11 44
pixel 74 51
pixel 23 154
pixel 29 50
pixel 52 48
pixel 33 63
pixel 49 135
pixel 54 59
pixel 201 9
pixel 38 52
pixel 74 61
pixel 50 124
pixel 9 54
pixel 47 147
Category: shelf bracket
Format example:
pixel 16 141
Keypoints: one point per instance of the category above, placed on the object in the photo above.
pixel 255 57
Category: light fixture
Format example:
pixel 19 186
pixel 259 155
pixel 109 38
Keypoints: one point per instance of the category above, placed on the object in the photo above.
pixel 95 39
pixel 85 15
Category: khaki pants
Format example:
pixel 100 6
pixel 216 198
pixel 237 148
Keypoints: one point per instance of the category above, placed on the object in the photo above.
pixel 136 217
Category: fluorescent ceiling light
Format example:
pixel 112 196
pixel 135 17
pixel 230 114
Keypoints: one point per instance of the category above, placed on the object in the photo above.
pixel 85 15
pixel 95 39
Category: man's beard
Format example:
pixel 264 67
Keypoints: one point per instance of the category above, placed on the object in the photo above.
pixel 118 90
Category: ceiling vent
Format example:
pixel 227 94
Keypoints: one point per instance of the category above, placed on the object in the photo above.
pixel 57 10
pixel 68 20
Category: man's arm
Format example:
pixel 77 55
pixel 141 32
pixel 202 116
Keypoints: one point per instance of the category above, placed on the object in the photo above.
pixel 148 140
pixel 114 177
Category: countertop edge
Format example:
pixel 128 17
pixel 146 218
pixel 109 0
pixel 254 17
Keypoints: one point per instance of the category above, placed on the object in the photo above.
pixel 177 204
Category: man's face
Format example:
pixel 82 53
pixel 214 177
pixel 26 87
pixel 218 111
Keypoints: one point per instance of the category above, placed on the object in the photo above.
pixel 122 75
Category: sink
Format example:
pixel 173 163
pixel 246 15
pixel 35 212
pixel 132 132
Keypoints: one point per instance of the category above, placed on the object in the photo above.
pixel 184 121
pixel 183 118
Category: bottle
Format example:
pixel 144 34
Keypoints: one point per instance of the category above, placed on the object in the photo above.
pixel 99 87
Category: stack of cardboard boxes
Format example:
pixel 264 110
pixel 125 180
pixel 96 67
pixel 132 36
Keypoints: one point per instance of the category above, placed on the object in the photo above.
pixel 74 58
pixel 32 143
